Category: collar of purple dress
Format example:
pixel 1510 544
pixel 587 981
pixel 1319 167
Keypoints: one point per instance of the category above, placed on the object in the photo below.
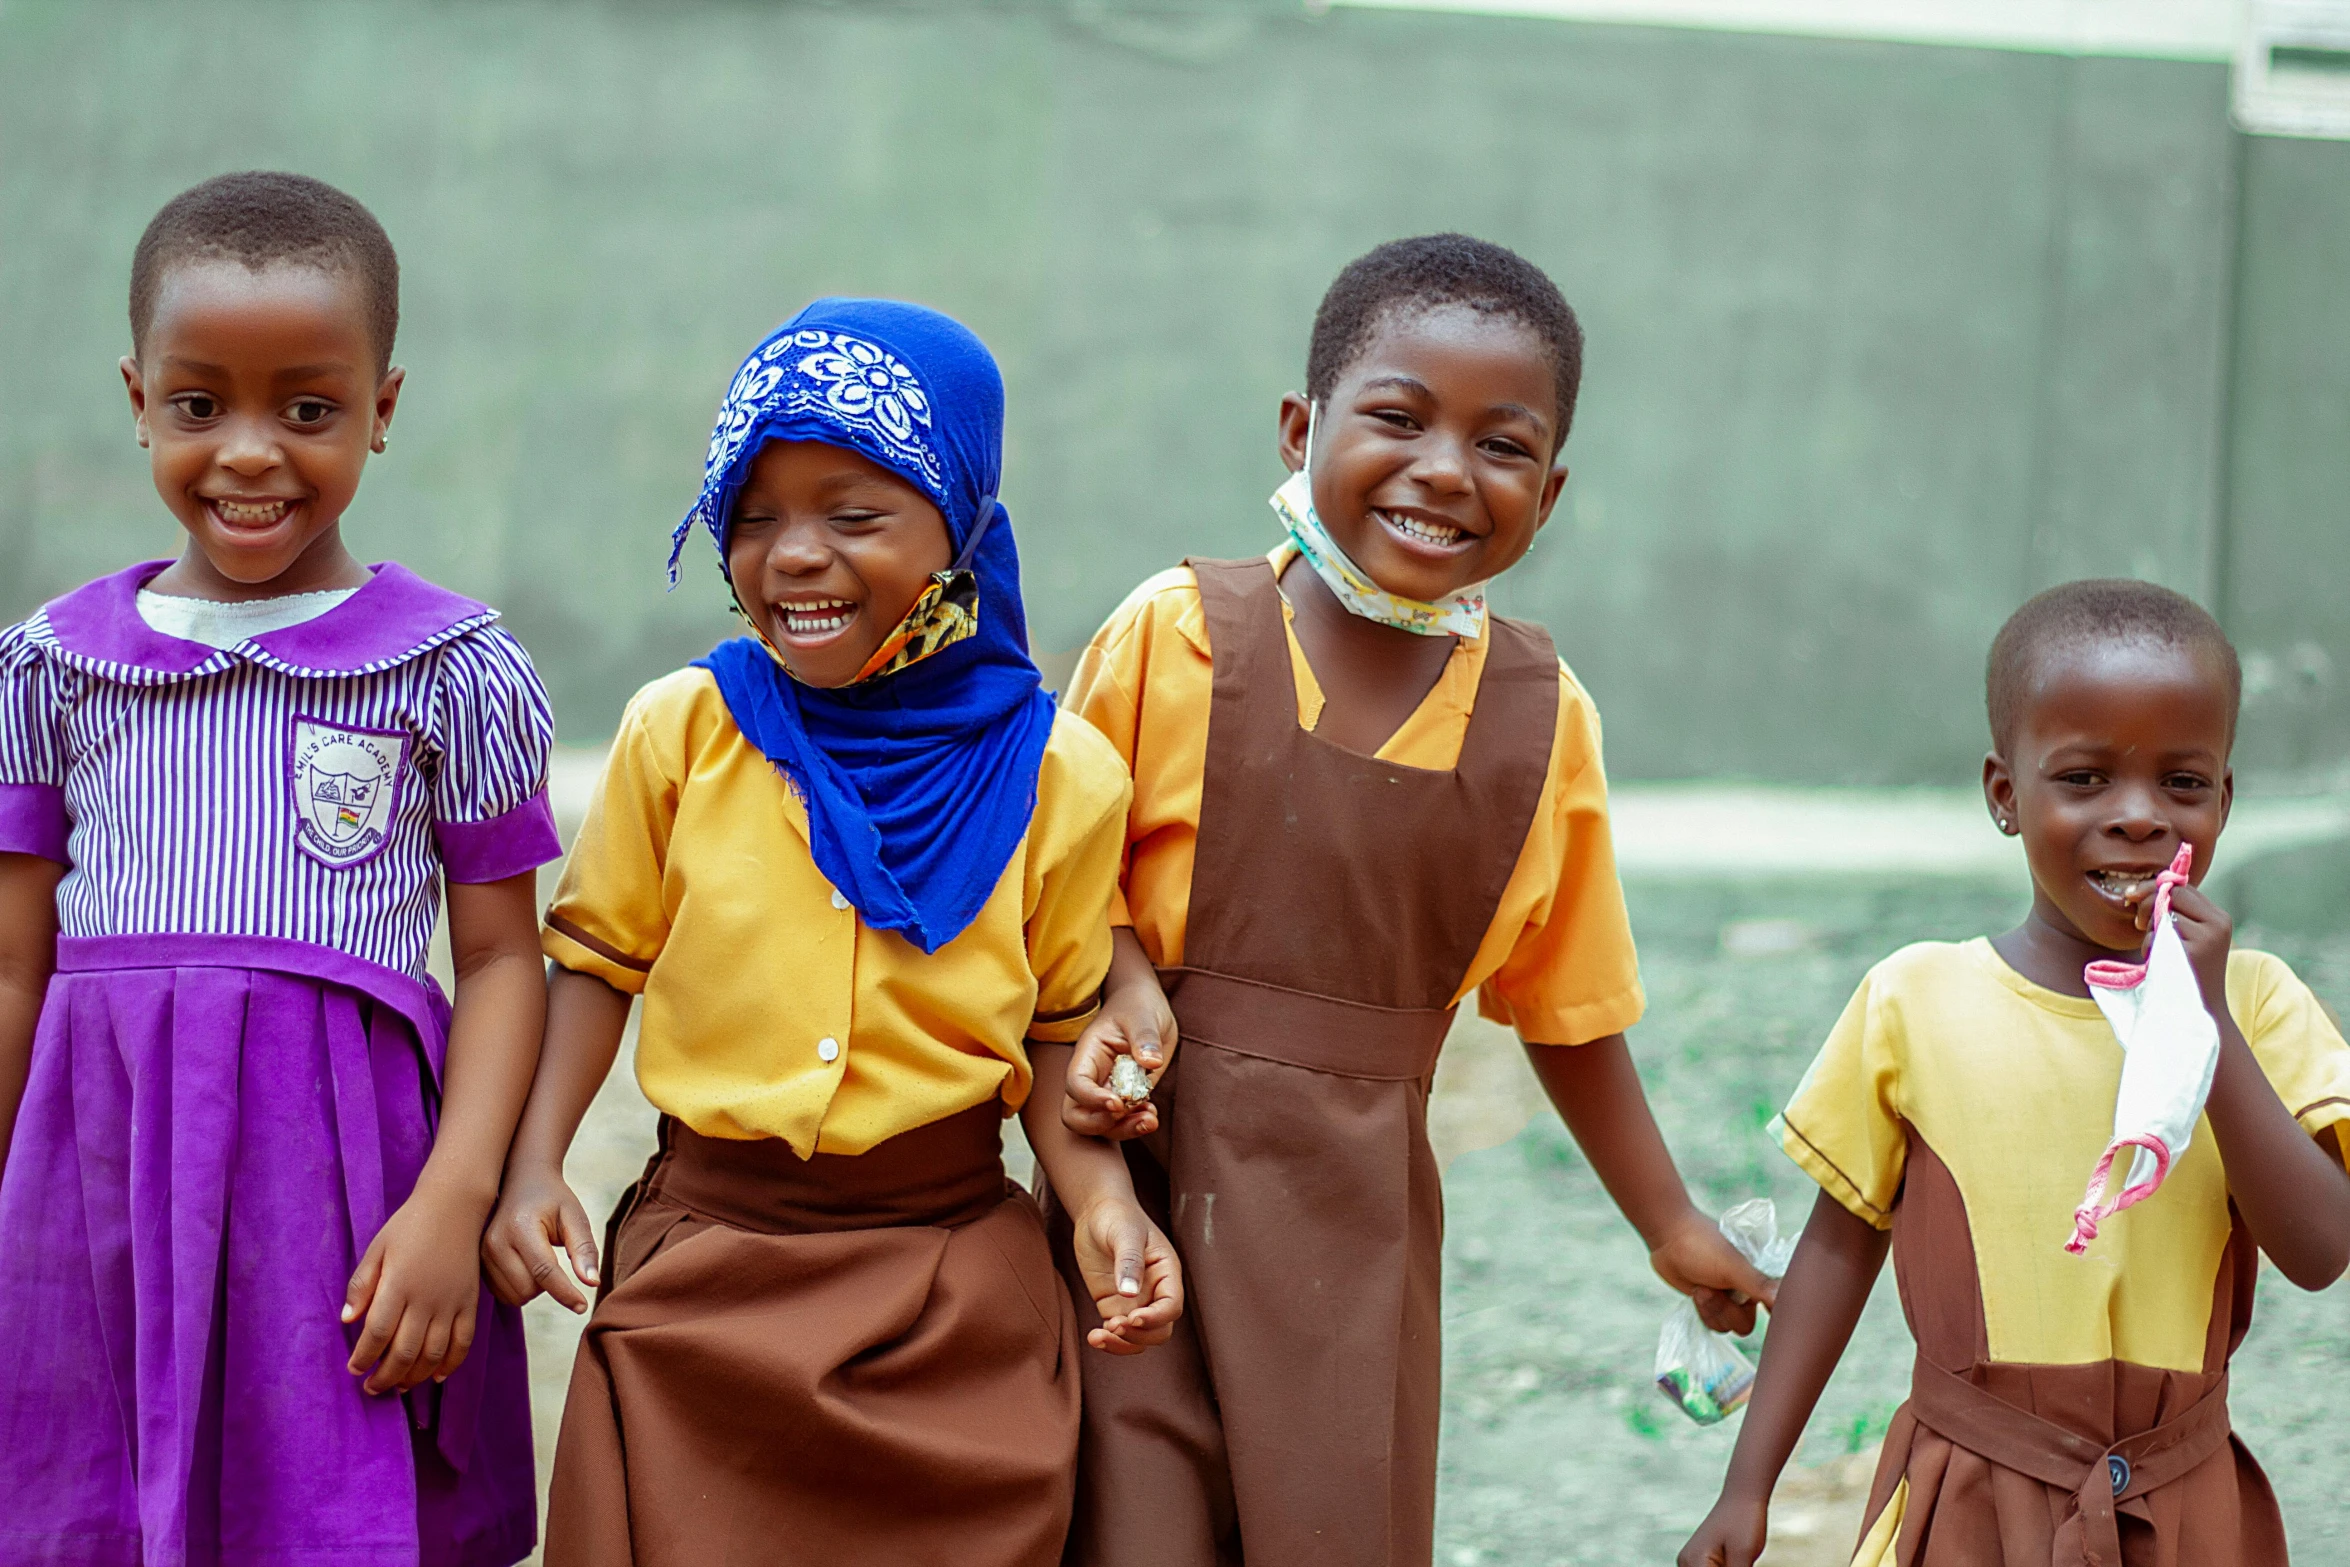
pixel 394 617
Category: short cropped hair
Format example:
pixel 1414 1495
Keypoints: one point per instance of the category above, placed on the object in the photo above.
pixel 262 218
pixel 2098 609
pixel 1444 269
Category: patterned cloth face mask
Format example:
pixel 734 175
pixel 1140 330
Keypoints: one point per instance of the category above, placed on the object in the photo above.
pixel 1459 614
pixel 944 613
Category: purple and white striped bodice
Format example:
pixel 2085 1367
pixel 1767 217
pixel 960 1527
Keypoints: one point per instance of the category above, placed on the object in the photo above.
pixel 309 785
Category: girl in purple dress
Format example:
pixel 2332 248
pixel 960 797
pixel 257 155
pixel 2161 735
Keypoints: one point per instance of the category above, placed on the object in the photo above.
pixel 249 1147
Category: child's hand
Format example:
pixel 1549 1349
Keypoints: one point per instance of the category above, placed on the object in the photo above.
pixel 1696 1258
pixel 1731 1536
pixel 2207 933
pixel 417 1287
pixel 1132 1273
pixel 1136 1021
pixel 539 1215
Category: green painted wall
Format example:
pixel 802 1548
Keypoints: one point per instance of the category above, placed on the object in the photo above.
pixel 1883 337
pixel 2286 557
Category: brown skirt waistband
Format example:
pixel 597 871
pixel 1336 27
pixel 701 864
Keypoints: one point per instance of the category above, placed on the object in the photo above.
pixel 945 1174
pixel 2097 1474
pixel 1299 1028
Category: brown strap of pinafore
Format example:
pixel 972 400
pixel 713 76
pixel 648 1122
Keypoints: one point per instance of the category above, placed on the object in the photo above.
pixel 1340 878
pixel 2099 1477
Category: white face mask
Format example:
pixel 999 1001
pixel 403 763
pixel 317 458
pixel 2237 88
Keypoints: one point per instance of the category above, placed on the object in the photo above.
pixel 1460 614
pixel 2170 1047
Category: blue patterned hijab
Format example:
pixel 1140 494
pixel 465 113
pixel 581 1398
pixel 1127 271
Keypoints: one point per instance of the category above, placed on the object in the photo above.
pixel 919 784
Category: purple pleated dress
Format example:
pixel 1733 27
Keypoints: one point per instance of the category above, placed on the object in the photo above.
pixel 236 1079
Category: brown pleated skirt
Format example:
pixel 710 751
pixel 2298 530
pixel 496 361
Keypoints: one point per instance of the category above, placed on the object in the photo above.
pixel 835 1359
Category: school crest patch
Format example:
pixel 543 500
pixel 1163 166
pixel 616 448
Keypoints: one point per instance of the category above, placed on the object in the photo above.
pixel 346 787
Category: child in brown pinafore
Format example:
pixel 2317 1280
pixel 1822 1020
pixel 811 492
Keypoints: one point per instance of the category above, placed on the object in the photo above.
pixel 2065 1409
pixel 1359 799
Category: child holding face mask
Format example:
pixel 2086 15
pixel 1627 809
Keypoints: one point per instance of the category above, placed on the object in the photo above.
pixel 860 871
pixel 1359 800
pixel 2066 1408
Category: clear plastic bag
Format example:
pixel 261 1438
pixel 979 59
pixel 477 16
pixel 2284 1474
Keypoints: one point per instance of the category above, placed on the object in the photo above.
pixel 1703 1372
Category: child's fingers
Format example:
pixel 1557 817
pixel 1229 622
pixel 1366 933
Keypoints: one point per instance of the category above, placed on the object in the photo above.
pixel 406 1340
pixel 1722 1313
pixel 579 1242
pixel 1109 1343
pixel 1087 1122
pixel 365 1296
pixel 1087 1084
pixel 439 1333
pixel 1151 1318
pixel 360 1292
pixel 503 1263
pixel 1121 1127
pixel 1746 1281
pixel 546 1269
pixel 460 1342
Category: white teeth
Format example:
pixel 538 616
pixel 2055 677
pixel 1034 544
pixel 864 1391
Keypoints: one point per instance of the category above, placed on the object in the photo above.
pixel 1425 532
pixel 818 618
pixel 253 513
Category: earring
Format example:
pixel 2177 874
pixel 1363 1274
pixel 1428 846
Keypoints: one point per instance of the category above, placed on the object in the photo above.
pixel 2006 826
pixel 382 441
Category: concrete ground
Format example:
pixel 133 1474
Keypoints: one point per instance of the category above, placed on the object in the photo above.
pixel 1557 1449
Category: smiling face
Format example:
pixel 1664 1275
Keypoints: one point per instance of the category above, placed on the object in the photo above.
pixel 2120 753
pixel 1432 455
pixel 259 396
pixel 827 552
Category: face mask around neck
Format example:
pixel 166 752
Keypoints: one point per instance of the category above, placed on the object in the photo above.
pixel 1460 614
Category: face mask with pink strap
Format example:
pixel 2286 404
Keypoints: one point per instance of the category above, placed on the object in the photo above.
pixel 2170 1048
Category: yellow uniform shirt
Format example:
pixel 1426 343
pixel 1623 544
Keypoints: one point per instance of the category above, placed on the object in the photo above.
pixel 770 1009
pixel 2013 1086
pixel 1557 962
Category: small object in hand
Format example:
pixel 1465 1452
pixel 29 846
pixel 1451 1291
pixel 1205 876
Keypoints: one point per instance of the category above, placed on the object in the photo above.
pixel 1129 1081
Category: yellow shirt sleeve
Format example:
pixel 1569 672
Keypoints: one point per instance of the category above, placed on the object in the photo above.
pixel 1106 692
pixel 1571 973
pixel 610 917
pixel 1844 1126
pixel 1072 879
pixel 2295 1041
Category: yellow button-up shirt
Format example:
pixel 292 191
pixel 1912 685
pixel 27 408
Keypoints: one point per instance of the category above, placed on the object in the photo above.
pixel 770 1008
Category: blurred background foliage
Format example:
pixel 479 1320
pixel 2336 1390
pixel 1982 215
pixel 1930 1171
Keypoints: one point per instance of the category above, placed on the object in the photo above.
pixel 1884 336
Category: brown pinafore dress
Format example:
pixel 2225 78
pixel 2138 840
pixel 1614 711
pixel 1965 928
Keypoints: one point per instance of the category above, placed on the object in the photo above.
pixel 1336 904
pixel 848 1358
pixel 2109 1464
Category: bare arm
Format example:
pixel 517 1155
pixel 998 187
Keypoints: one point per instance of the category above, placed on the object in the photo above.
pixel 2289 1186
pixel 539 1213
pixel 1597 1091
pixel 28 954
pixel 1129 1266
pixel 418 1284
pixel 2293 1192
pixel 1820 1301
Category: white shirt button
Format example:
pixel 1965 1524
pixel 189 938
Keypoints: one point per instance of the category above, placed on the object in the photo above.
pixel 839 900
pixel 828 1049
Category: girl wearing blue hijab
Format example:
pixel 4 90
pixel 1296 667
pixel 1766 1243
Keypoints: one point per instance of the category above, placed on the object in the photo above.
pixel 860 870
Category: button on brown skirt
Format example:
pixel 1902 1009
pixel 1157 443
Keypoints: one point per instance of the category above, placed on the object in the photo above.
pixel 839 1359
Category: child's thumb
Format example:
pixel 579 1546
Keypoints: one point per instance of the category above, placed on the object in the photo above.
pixel 1759 1286
pixel 1128 1272
pixel 361 1290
